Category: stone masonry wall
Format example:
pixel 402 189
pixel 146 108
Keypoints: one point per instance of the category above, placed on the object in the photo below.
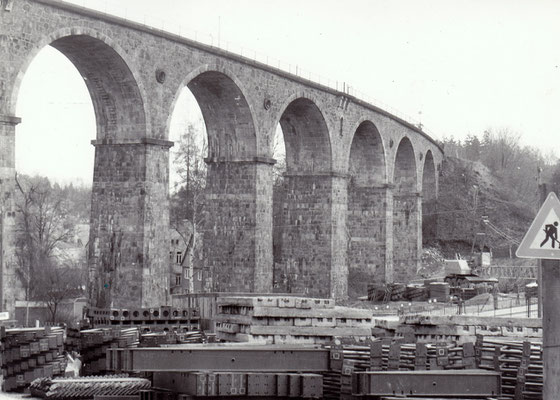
pixel 366 229
pixel 405 229
pixel 134 76
pixel 229 235
pixel 155 279
pixel 11 288
pixel 127 212
pixel 304 237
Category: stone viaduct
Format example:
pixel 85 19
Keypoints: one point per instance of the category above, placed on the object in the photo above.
pixel 352 197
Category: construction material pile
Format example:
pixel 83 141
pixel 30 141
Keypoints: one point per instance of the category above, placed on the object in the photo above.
pixel 520 364
pixel 288 320
pixel 31 353
pixel 155 339
pixel 88 387
pixel 232 369
pixel 95 342
pixel 241 384
pixel 460 328
pixel 397 291
pixel 164 317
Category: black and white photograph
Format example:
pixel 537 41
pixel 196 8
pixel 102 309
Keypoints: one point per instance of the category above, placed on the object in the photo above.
pixel 296 199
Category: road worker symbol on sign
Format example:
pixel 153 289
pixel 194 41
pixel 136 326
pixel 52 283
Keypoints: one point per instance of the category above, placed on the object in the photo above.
pixel 551 231
pixel 542 239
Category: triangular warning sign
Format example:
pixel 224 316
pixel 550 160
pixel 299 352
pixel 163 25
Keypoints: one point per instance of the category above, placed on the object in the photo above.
pixel 542 240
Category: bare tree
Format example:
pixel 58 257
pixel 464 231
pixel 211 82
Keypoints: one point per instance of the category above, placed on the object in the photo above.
pixel 58 283
pixel 42 223
pixel 501 147
pixel 279 154
pixel 187 199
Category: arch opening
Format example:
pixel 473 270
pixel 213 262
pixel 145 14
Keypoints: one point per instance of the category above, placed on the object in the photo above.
pixel 187 183
pixel 366 219
pixel 53 161
pixel 306 138
pixel 229 227
pixel 406 214
pixel 301 224
pixel 113 95
pixel 57 116
pixel 227 116
pixel 404 176
pixel 118 104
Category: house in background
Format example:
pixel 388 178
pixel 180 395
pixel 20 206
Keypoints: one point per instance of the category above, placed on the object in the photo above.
pixel 187 274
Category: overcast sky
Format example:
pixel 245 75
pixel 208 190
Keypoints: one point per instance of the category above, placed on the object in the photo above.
pixel 459 67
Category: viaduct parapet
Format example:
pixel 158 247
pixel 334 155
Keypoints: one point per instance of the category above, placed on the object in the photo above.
pixel 351 200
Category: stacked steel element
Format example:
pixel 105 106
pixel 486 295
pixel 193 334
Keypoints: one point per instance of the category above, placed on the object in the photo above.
pixel 467 385
pixel 348 359
pixel 73 340
pixel 345 359
pixel 31 353
pixel 158 318
pixel 288 320
pixel 238 370
pixel 95 342
pixel 520 364
pixel 155 339
pixel 88 387
pixel 242 384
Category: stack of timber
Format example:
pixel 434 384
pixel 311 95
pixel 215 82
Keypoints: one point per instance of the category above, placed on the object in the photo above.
pixel 288 320
pixel 95 342
pixel 150 319
pixel 31 353
pixel 88 387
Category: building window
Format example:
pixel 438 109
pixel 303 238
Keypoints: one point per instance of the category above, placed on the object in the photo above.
pixel 170 256
pixel 199 275
pixel 177 280
pixel 179 257
pixel 186 274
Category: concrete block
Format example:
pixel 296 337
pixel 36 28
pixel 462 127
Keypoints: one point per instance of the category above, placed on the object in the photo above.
pixel 287 302
pixel 302 321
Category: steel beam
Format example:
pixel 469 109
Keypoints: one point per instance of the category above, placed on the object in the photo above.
pixel 194 358
pixel 473 383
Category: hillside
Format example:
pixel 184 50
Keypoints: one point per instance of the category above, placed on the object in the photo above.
pixel 467 192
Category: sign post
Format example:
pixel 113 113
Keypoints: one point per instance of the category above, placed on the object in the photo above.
pixel 542 241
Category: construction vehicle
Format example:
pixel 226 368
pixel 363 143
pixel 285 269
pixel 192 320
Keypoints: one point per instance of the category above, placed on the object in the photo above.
pixel 464 282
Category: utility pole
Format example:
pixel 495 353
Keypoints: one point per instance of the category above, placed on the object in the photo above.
pixel 542 196
pixel 551 327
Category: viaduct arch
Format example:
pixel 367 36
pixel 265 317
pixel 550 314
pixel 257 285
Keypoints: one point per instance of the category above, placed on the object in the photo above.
pixel 352 194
